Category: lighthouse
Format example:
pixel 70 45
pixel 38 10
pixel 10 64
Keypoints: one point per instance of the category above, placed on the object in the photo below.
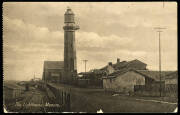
pixel 70 65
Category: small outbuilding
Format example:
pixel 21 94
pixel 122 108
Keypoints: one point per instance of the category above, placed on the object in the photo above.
pixel 123 81
pixel 171 84
pixel 53 71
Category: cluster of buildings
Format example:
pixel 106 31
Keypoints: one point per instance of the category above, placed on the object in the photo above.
pixel 133 77
pixel 122 76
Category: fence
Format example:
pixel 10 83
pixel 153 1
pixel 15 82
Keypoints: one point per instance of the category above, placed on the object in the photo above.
pixel 153 89
pixel 168 90
pixel 59 99
pixel 89 83
pixel 171 90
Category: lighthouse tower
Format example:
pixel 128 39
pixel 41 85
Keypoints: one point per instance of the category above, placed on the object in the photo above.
pixel 70 67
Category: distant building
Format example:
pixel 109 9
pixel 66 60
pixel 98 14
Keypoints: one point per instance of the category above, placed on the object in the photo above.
pixel 171 84
pixel 90 79
pixel 134 64
pixel 36 79
pixel 171 78
pixel 155 74
pixel 11 91
pixel 53 71
pixel 155 87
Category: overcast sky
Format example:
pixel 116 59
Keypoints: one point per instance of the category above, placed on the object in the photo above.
pixel 32 33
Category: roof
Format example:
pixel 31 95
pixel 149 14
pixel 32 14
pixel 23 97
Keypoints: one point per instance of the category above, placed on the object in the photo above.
pixel 154 74
pixel 108 77
pixel 173 75
pixel 11 85
pixel 120 64
pixel 146 73
pixel 84 73
pixel 119 72
pixel 53 64
pixel 124 64
pixel 136 61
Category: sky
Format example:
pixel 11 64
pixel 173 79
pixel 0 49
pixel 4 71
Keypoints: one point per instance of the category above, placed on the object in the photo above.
pixel 33 33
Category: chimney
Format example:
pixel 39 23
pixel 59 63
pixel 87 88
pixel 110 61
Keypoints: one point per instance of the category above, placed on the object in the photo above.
pixel 110 63
pixel 118 60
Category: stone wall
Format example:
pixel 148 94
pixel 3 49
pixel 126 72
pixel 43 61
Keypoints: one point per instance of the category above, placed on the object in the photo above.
pixel 124 82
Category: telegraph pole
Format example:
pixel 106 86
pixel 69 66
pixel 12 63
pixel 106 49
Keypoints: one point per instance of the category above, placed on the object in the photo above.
pixel 34 76
pixel 159 31
pixel 163 4
pixel 85 64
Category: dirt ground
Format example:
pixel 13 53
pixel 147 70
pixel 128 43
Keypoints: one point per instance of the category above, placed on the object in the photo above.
pixel 92 100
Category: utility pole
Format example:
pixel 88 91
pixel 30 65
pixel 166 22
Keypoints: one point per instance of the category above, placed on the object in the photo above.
pixel 163 4
pixel 85 64
pixel 34 76
pixel 159 31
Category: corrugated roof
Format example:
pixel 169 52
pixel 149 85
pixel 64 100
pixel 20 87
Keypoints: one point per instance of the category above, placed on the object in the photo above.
pixel 173 75
pixel 154 74
pixel 147 73
pixel 124 64
pixel 53 64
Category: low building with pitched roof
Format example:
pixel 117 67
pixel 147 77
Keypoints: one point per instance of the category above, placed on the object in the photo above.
pixel 120 65
pixel 53 71
pixel 123 81
pixel 130 80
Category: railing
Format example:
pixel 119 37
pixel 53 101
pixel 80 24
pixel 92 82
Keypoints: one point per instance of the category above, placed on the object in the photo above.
pixel 62 97
pixel 59 98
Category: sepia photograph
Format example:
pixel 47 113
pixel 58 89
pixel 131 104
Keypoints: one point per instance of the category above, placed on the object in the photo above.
pixel 90 57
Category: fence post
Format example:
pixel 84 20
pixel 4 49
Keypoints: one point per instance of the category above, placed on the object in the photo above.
pixel 65 101
pixel 68 103
pixel 65 97
pixel 62 98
